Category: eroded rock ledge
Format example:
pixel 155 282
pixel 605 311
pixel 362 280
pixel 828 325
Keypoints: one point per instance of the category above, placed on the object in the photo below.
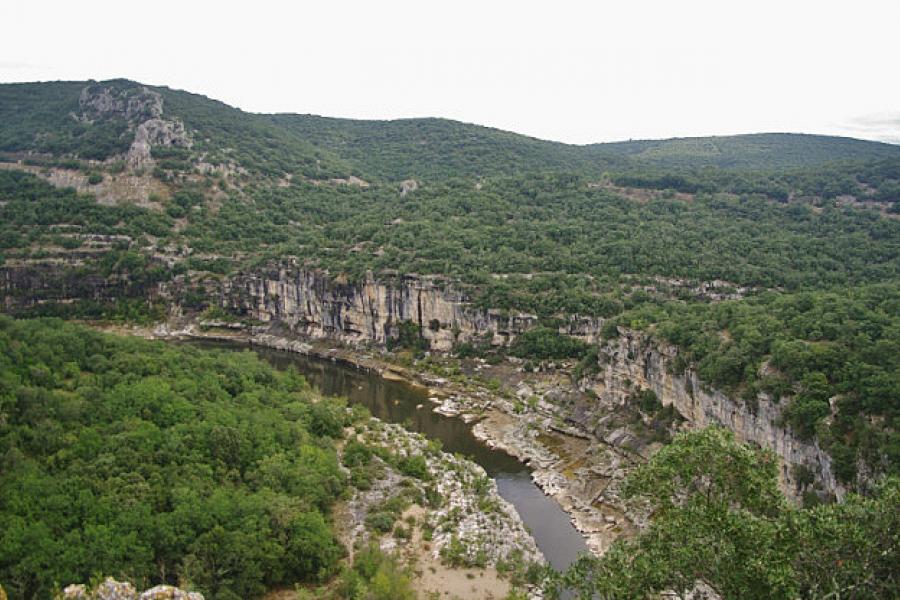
pixel 635 361
pixel 310 303
pixel 111 589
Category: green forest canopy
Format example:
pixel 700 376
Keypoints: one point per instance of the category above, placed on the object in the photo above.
pixel 157 463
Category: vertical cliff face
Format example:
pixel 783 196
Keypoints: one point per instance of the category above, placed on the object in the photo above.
pixel 310 303
pixel 27 284
pixel 635 362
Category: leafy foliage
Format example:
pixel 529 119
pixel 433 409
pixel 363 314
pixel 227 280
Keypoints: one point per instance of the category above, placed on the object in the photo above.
pixel 544 342
pixel 560 229
pixel 873 180
pixel 524 224
pixel 376 576
pixel 750 151
pixel 720 519
pixel 156 463
pixel 439 149
pixel 39 117
pixel 33 209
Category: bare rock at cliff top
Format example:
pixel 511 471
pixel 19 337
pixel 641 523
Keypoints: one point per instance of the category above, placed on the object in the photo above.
pixel 410 185
pixel 98 101
pixel 143 109
pixel 167 592
pixel 110 589
pixel 119 590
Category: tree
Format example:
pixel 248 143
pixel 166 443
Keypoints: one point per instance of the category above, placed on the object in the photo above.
pixel 720 519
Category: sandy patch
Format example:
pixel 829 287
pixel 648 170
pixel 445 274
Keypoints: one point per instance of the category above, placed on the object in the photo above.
pixel 435 580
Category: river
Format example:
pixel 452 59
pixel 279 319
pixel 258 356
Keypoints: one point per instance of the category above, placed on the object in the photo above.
pixel 399 402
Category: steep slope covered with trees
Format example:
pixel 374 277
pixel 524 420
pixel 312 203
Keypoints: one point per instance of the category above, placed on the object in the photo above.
pixel 160 464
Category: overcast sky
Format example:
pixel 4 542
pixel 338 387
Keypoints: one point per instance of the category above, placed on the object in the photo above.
pixel 570 71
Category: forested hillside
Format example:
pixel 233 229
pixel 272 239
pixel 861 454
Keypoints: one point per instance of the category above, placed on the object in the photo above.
pixel 438 149
pixel 722 528
pixel 754 151
pixel 49 118
pixel 770 262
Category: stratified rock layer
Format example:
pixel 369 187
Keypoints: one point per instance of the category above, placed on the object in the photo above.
pixel 312 304
pixel 634 361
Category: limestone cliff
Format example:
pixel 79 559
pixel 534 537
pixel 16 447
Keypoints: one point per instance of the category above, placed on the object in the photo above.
pixel 110 589
pixel 66 279
pixel 290 299
pixel 312 304
pixel 142 108
pixel 634 361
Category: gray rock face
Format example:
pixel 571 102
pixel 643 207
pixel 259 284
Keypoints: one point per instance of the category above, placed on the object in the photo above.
pixel 633 361
pixel 155 132
pixel 143 109
pixel 167 592
pixel 111 589
pixel 98 101
pixel 312 304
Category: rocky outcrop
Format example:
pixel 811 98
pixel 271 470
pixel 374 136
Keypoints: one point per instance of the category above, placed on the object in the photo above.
pixel 634 361
pixel 155 132
pixel 97 101
pixel 471 511
pixel 291 300
pixel 142 108
pixel 115 189
pixel 111 589
pixel 408 186
pixel 311 304
pixel 64 279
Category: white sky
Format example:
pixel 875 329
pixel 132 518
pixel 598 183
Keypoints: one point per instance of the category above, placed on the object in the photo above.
pixel 570 71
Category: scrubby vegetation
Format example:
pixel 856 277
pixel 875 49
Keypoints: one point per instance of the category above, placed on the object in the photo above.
pixel 873 180
pixel 34 211
pixel 751 151
pixel 578 240
pixel 38 117
pixel 545 342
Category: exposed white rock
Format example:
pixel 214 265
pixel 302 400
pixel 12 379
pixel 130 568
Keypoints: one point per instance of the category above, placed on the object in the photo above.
pixel 111 589
pixel 408 186
pixel 472 513
pixel 634 361
pixel 312 304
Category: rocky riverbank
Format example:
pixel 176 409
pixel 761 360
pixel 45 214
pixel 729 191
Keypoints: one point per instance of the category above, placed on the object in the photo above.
pixel 438 512
pixel 581 473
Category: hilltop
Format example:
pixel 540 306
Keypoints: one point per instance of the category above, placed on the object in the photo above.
pixel 51 118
